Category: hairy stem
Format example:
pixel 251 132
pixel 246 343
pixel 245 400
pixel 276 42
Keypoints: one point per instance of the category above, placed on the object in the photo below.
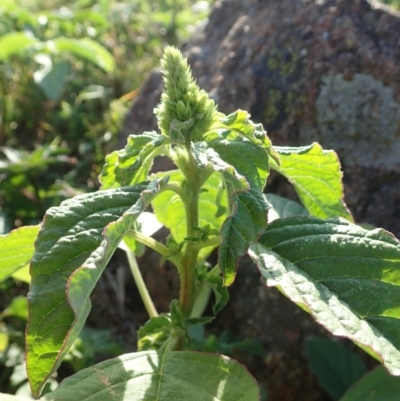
pixel 150 242
pixel 187 271
pixel 140 284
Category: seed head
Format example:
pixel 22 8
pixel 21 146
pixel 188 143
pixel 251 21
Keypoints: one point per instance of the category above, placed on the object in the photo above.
pixel 183 103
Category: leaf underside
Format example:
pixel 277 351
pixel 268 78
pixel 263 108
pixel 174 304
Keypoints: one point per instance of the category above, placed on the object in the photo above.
pixel 131 165
pixel 160 375
pixel 317 177
pixel 348 278
pixel 73 248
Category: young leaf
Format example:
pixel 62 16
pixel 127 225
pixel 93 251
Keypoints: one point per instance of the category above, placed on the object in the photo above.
pixel 239 124
pixel 377 385
pixel 281 207
pixel 170 211
pixel 221 293
pixel 160 375
pixel 315 173
pixel 334 365
pixel 248 159
pixel 131 165
pixel 155 333
pixel 345 276
pixel 74 246
pixel 16 249
pixel 244 168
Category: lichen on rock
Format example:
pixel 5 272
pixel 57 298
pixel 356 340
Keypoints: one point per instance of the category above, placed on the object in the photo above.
pixel 360 118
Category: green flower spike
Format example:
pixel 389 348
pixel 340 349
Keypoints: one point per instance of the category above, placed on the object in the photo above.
pixel 185 111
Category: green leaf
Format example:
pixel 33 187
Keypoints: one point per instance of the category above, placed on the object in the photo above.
pixel 52 80
pixel 345 276
pixel 22 274
pixel 316 175
pixel 14 43
pixel 18 308
pixel 334 365
pixel 221 293
pixel 238 124
pixel 248 159
pixel 87 49
pixel 244 169
pixel 377 385
pixel 131 165
pixel 74 246
pixel 281 207
pixel 170 210
pixel 162 375
pixel 155 333
pixel 16 250
pixel 4 339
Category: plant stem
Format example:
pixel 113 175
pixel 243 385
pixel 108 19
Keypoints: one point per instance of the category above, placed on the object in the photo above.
pixel 187 271
pixel 141 286
pixel 175 188
pixel 210 242
pixel 150 242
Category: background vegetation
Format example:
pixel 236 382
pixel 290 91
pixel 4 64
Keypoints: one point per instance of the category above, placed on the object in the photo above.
pixel 69 70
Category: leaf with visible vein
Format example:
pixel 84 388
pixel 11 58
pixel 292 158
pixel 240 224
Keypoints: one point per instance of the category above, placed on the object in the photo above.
pixel 348 278
pixel 160 375
pixel 74 246
pixel 247 207
pixel 131 165
pixel 16 250
pixel 316 175
pixel 238 124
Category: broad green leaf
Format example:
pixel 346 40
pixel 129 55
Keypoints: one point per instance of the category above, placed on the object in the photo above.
pixel 348 278
pixel 281 207
pixel 74 246
pixel 334 365
pixel 131 165
pixel 170 211
pixel 244 169
pixel 16 249
pixel 248 159
pixel 316 175
pixel 377 385
pixel 160 376
pixel 14 43
pixel 87 49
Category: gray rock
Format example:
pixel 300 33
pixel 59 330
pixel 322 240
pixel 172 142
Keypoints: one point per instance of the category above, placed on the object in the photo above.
pixel 309 70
